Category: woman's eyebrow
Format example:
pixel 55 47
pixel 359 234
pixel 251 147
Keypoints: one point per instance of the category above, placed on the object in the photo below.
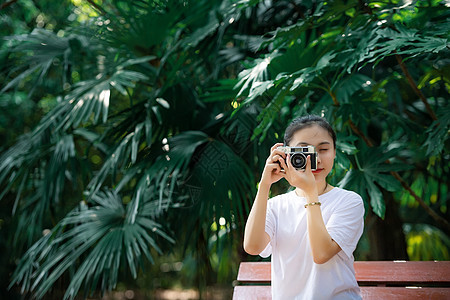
pixel 324 143
pixel 307 144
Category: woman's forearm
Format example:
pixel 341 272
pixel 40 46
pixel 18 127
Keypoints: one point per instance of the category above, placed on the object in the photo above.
pixel 255 236
pixel 323 247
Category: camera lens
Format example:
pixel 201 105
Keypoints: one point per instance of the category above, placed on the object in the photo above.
pixel 298 160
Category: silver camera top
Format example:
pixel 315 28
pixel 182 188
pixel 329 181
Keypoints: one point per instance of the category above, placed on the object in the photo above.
pixel 286 149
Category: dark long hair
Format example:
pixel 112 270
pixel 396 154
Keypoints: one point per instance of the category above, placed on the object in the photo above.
pixel 305 122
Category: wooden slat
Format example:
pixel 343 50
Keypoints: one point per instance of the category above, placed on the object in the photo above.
pixel 405 273
pixel 397 293
pixel 263 292
pixel 368 272
pixel 254 272
pixel 252 292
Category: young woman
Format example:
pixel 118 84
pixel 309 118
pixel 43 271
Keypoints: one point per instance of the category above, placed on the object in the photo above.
pixel 310 232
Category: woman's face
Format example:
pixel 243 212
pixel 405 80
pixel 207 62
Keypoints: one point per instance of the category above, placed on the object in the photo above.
pixel 323 142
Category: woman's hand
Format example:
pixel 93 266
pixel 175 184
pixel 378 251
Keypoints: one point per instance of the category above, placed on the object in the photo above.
pixel 272 170
pixel 302 179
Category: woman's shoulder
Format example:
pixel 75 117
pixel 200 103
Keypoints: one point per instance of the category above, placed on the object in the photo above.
pixel 346 195
pixel 346 192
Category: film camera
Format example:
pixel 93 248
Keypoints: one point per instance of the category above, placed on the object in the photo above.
pixel 299 154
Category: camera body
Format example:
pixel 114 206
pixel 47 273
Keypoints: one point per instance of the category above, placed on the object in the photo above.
pixel 299 154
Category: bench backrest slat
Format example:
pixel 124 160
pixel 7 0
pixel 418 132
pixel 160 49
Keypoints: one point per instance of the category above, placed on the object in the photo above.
pixel 405 272
pixel 368 272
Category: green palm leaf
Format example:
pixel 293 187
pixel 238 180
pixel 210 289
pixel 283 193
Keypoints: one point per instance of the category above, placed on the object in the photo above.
pixel 372 172
pixel 104 229
pixel 438 132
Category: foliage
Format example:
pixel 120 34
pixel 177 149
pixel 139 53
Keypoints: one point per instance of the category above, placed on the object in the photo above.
pixel 427 243
pixel 334 65
pixel 157 116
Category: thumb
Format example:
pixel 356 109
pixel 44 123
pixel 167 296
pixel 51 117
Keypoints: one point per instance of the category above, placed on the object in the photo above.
pixel 308 164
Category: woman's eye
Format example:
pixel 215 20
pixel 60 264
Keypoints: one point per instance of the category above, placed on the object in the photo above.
pixel 323 150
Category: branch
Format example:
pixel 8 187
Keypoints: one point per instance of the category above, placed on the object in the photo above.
pixel 443 222
pixel 333 96
pixel 360 133
pixel 414 87
pixel 6 4
pixel 96 6
pixel 352 125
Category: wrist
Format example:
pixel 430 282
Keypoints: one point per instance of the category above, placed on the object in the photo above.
pixel 264 185
pixel 311 196
pixel 266 180
pixel 263 192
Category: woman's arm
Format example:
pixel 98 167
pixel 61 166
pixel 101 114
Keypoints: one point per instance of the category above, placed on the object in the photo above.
pixel 323 247
pixel 255 236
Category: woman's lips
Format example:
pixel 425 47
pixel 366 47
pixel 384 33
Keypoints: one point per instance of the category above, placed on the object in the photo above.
pixel 317 171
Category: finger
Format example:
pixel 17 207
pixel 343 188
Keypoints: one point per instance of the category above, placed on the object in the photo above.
pixel 308 164
pixel 278 152
pixel 283 164
pixel 273 160
pixel 276 146
pixel 288 163
pixel 276 157
pixel 273 166
pixel 275 169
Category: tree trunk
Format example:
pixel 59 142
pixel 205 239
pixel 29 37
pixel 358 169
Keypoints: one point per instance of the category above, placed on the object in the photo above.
pixel 386 237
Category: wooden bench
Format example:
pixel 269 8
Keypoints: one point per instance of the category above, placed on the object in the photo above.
pixel 377 280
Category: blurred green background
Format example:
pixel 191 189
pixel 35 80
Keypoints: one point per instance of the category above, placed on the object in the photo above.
pixel 133 134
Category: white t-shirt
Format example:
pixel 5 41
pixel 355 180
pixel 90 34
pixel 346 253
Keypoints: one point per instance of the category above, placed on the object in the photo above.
pixel 294 273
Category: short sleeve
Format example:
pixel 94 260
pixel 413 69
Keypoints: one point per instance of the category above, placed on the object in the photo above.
pixel 346 224
pixel 270 229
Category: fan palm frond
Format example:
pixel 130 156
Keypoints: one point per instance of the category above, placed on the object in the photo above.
pixel 108 229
